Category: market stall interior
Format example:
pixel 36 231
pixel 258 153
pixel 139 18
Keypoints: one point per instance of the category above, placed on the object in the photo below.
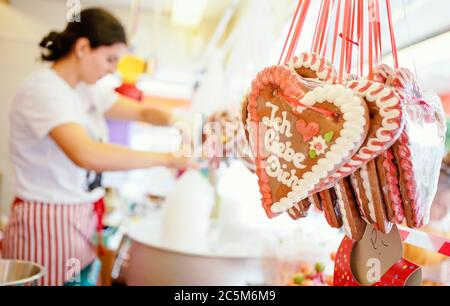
pixel 207 62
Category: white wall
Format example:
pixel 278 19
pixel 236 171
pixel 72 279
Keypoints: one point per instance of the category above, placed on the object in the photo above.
pixel 19 36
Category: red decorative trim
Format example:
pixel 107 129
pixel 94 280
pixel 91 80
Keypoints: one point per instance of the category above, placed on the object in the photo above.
pixel 290 85
pixel 366 154
pixel 407 169
pixel 393 186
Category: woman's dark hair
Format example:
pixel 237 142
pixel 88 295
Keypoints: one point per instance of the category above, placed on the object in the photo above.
pixel 97 25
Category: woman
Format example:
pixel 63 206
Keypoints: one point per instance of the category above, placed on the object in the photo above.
pixel 55 144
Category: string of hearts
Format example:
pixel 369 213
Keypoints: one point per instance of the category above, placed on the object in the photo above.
pixel 342 18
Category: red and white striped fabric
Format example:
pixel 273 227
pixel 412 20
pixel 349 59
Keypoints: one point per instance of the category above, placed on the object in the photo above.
pixel 51 235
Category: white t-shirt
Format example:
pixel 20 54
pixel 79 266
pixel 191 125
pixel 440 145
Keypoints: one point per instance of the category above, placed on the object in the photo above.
pixel 42 171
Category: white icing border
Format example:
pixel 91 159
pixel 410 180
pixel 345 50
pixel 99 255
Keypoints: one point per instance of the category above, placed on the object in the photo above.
pixel 308 63
pixel 367 189
pixel 358 197
pixel 352 107
pixel 341 203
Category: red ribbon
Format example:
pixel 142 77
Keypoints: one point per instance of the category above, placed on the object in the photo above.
pixel 299 27
pixel 315 41
pixel 345 43
pixel 99 209
pixel 392 34
pixel 370 47
pixel 421 102
pixel 336 30
pixel 353 15
pixel 296 101
pixel 378 28
pixel 361 36
pixel 297 23
pixel 321 27
pixel 324 41
pixel 294 18
pixel 324 46
pixel 350 41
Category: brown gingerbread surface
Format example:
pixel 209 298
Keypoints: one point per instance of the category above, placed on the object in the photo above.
pixel 331 208
pixel 306 73
pixel 300 210
pixel 315 125
pixel 389 182
pixel 353 222
pixel 370 195
pixel 315 199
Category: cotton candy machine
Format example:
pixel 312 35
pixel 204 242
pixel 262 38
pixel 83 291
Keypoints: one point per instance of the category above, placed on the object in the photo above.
pixel 181 244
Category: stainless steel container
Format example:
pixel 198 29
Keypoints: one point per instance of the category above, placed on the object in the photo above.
pixel 20 273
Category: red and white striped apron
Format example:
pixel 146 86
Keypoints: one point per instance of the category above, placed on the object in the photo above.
pixel 52 235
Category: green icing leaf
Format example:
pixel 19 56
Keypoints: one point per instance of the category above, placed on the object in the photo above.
pixel 329 136
pixel 313 154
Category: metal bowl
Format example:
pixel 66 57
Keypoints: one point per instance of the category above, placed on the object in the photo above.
pixel 155 266
pixel 20 273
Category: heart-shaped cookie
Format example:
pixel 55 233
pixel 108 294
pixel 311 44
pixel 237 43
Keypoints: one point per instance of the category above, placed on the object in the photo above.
pixel 419 152
pixel 290 168
pixel 386 123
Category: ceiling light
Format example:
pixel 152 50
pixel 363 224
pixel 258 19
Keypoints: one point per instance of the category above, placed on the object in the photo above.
pixel 188 13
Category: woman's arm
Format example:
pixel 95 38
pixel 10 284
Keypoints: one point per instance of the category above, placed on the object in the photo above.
pixel 127 109
pixel 88 154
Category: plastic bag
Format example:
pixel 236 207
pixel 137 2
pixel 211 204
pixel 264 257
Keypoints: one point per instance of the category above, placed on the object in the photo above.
pixel 420 151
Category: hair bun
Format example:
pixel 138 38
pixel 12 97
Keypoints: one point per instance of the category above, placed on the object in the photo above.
pixel 56 46
pixel 98 26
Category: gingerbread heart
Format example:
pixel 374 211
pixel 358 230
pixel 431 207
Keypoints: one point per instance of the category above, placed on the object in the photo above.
pixel 290 168
pixel 419 152
pixel 386 123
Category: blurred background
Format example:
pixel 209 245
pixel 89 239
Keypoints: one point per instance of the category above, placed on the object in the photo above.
pixel 200 57
pixel 205 55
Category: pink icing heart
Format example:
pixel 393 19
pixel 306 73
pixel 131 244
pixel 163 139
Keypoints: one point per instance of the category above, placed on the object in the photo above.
pixel 308 131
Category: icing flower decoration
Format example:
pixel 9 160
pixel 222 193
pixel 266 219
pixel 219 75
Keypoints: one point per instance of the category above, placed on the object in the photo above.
pixel 318 145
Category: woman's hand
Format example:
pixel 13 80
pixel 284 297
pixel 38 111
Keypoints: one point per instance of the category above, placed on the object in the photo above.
pixel 181 162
